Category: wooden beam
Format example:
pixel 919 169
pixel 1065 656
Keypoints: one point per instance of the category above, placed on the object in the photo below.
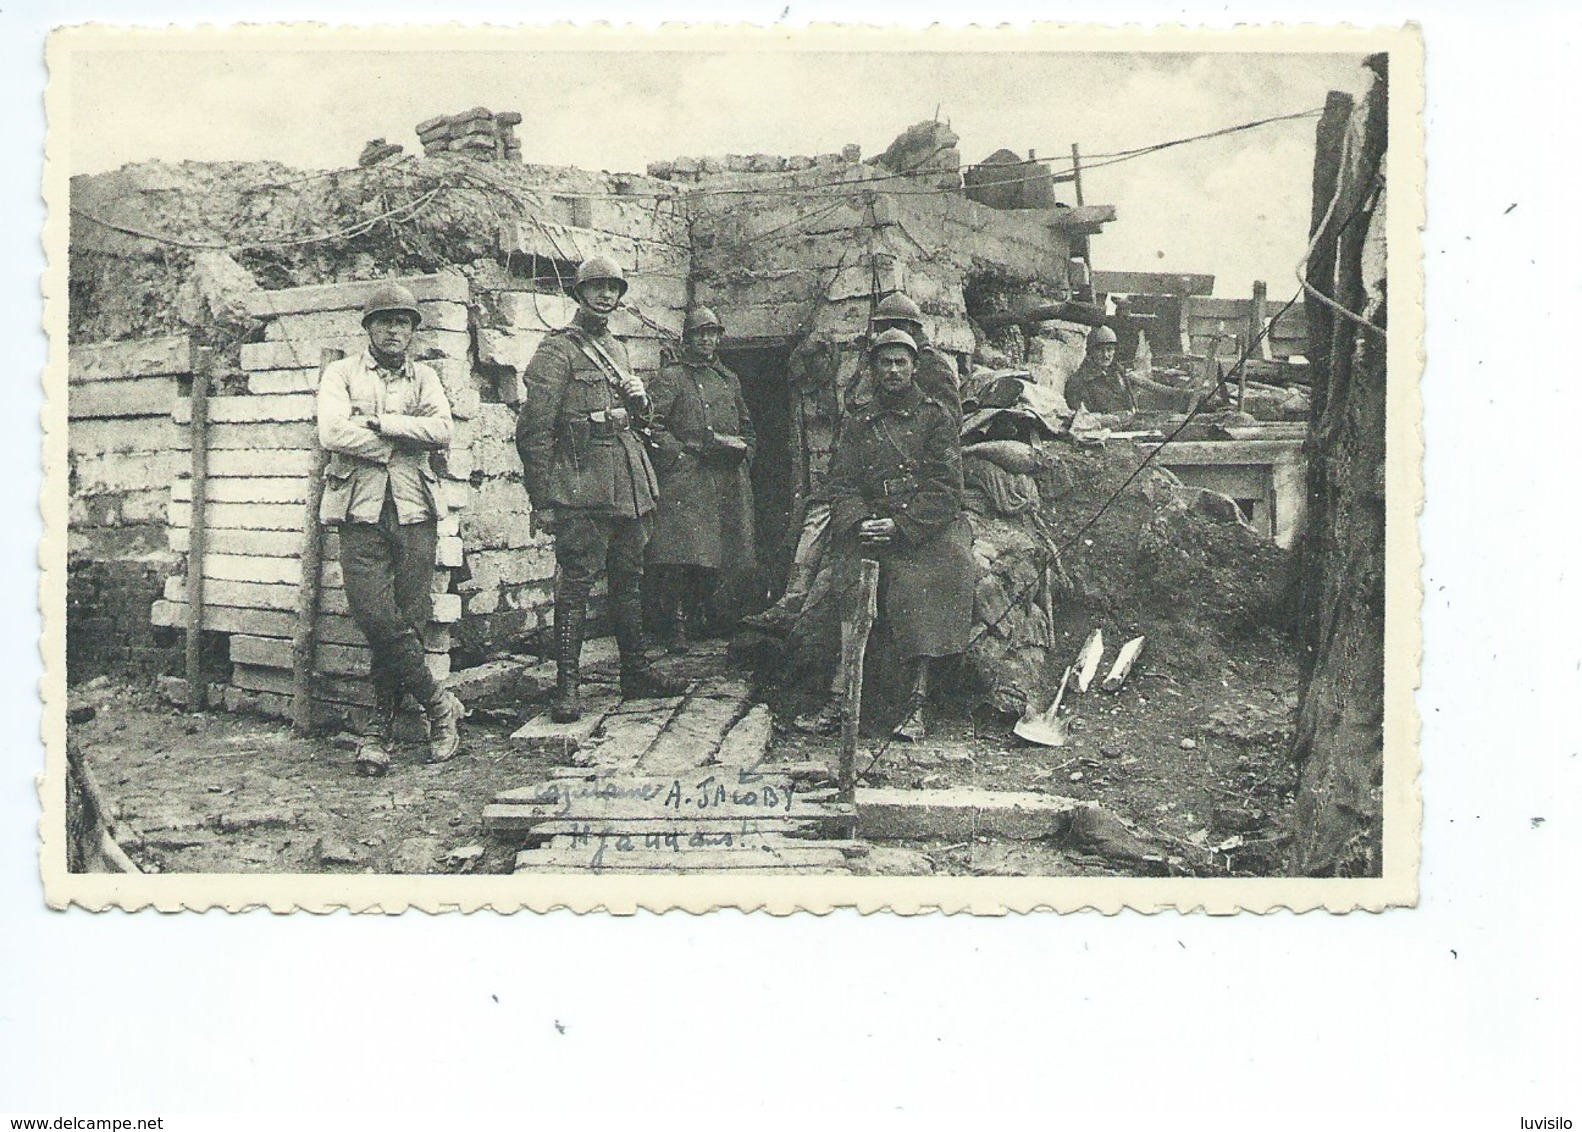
pixel 139 357
pixel 1088 660
pixel 1122 667
pixel 279 407
pixel 962 813
pixel 306 640
pixel 196 528
pixel 138 397
pixel 448 286
pixel 1257 316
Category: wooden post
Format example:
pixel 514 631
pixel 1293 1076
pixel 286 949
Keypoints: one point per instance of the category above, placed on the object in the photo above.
pixel 203 366
pixel 855 622
pixel 304 646
pixel 1256 316
pixel 1076 172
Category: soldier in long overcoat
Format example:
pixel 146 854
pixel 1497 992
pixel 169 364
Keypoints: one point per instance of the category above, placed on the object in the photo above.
pixel 590 481
pixel 704 442
pixel 895 494
pixel 934 374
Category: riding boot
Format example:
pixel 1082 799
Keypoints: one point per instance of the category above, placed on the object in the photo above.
pixel 571 607
pixel 639 680
pixel 387 701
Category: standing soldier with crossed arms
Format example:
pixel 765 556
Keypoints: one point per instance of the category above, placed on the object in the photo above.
pixel 380 415
pixel 590 482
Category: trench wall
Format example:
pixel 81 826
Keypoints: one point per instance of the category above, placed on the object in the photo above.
pixel 798 261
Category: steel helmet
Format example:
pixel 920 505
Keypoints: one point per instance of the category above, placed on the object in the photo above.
pixel 699 317
pixel 391 297
pixel 599 267
pixel 893 338
pixel 897 307
pixel 1101 336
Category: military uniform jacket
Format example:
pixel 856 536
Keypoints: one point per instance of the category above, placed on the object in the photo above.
pixel 364 466
pixel 901 459
pixel 1102 389
pixel 575 432
pixel 705 515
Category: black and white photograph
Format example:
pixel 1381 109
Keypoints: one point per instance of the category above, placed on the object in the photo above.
pixel 528 469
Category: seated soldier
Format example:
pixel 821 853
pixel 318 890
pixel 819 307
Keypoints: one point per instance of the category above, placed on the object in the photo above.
pixel 935 374
pixel 896 497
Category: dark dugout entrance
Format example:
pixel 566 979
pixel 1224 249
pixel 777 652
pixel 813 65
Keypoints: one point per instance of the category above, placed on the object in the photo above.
pixel 765 378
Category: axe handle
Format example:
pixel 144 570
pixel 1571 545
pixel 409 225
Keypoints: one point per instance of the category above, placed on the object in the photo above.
pixel 854 626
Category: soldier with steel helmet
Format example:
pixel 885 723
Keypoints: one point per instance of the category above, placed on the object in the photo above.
pixel 590 481
pixel 936 372
pixel 935 375
pixel 1100 384
pixel 895 493
pixel 704 445
pixel 380 415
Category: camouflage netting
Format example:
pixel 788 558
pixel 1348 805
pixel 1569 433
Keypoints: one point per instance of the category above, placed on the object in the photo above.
pixel 288 228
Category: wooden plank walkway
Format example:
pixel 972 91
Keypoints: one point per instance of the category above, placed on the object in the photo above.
pixel 674 786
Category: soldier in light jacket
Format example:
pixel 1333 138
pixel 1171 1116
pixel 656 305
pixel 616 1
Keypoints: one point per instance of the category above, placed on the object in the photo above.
pixel 380 414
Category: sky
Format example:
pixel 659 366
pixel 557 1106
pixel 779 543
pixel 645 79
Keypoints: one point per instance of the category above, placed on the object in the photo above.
pixel 1235 207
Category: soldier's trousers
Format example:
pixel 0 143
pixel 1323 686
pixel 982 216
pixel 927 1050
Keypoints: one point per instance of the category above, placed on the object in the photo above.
pixel 587 542
pixel 389 570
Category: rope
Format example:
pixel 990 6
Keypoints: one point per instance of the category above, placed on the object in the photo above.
pixel 1318 234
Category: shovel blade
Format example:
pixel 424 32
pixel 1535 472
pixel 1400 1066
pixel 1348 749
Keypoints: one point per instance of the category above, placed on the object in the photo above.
pixel 1041 730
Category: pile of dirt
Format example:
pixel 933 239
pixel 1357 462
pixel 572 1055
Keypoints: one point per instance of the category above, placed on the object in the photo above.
pixel 1177 563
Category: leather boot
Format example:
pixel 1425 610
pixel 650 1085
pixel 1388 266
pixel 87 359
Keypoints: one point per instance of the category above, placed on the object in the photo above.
pixel 825 721
pixel 639 680
pixel 912 728
pixel 676 643
pixel 571 607
pixel 780 616
pixel 376 753
pixel 444 726
pixel 387 700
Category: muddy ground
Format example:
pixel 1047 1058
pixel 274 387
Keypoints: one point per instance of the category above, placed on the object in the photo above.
pixel 1193 762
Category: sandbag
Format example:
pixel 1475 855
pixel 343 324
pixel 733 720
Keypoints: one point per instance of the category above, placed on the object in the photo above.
pixel 1011 455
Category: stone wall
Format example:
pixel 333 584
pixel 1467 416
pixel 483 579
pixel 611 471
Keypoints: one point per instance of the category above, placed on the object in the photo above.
pixel 121 455
pixel 793 253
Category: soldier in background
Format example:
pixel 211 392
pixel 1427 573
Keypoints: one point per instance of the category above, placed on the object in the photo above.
pixel 704 444
pixel 380 414
pixel 936 373
pixel 590 481
pixel 1100 384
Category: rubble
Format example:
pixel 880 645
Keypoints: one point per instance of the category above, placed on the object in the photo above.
pixel 479 134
